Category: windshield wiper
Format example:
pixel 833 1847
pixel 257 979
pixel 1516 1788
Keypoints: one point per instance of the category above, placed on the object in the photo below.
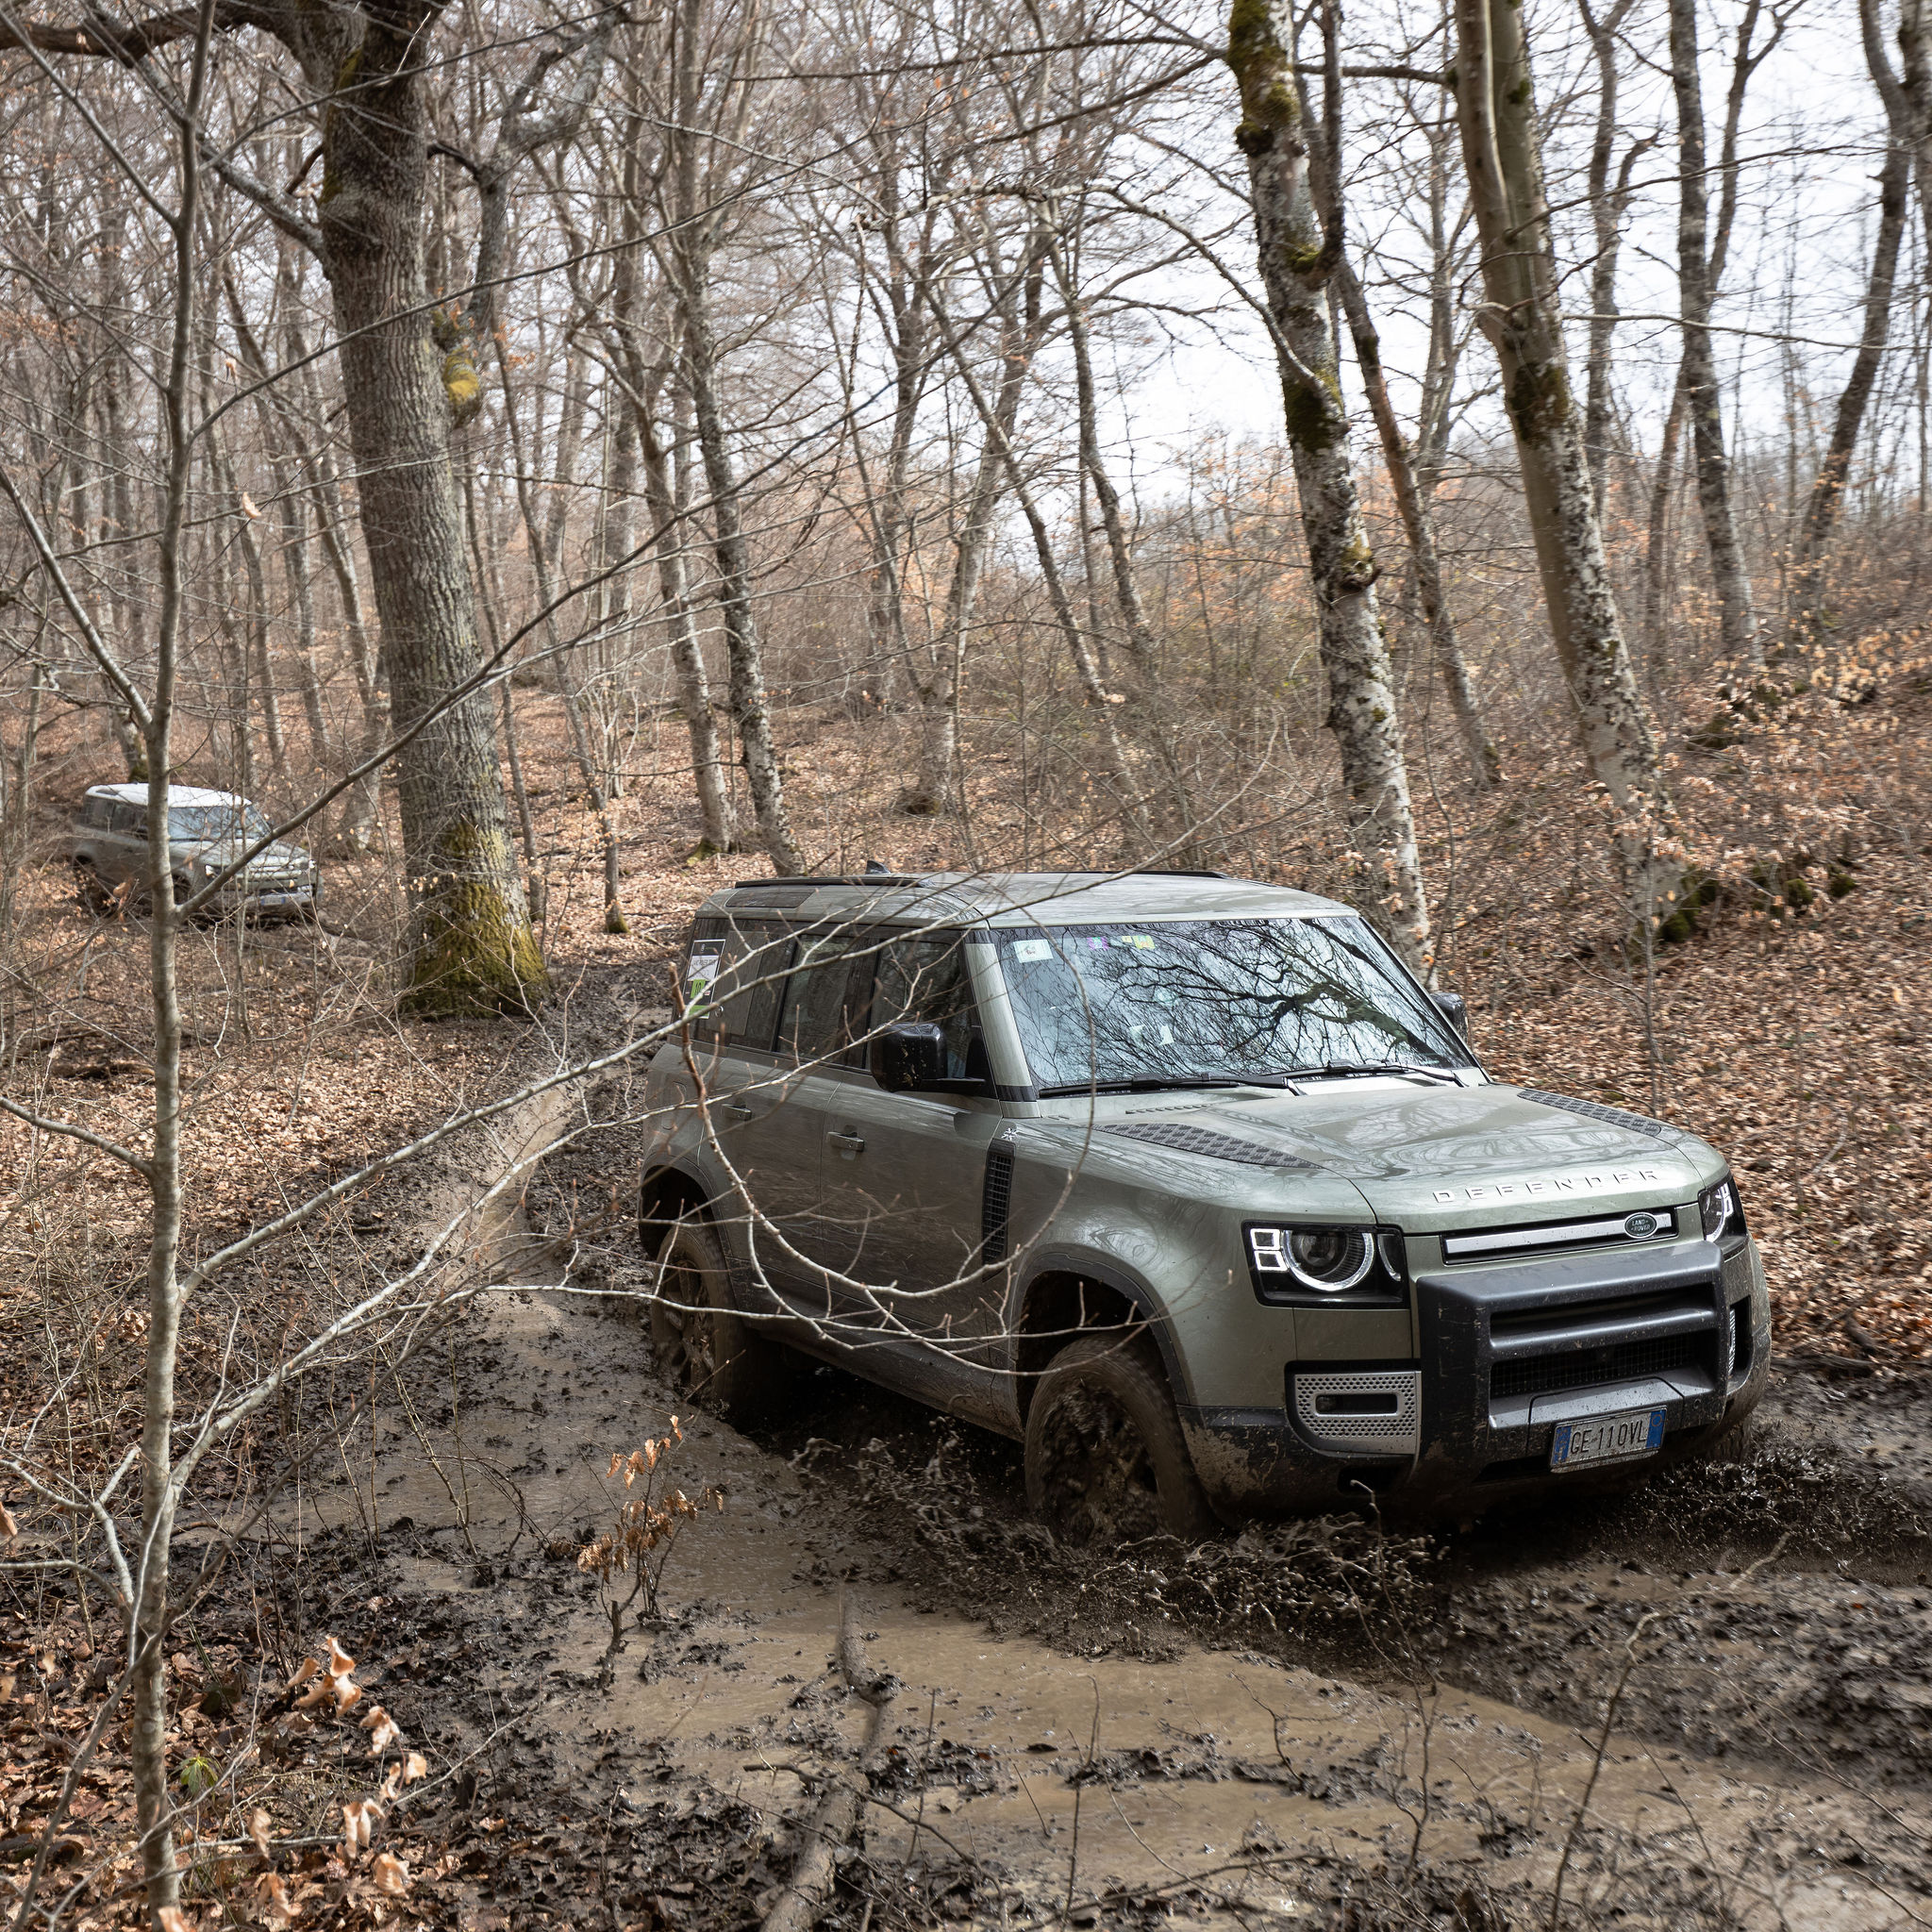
pixel 1341 1070
pixel 1162 1083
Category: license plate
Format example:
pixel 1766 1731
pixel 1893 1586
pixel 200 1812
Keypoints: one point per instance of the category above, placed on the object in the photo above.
pixel 1607 1438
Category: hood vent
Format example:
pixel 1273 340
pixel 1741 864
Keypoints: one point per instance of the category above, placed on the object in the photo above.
pixel 1215 1146
pixel 1636 1123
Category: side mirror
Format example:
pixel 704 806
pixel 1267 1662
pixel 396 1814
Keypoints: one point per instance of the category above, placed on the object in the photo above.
pixel 909 1056
pixel 1455 1009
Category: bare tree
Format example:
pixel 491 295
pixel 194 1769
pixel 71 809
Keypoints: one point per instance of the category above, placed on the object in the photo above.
pixel 1522 316
pixel 1904 110
pixel 1703 396
pixel 1299 250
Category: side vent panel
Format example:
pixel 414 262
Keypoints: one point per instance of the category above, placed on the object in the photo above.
pixel 995 1205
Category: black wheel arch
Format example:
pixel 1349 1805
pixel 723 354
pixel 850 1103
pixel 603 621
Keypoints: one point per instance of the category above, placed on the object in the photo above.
pixel 1063 1293
pixel 668 1194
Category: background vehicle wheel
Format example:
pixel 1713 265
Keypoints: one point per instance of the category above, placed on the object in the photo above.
pixel 93 889
pixel 1105 1458
pixel 705 1348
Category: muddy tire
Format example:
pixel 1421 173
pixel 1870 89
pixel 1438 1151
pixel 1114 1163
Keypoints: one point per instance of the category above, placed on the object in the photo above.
pixel 708 1352
pixel 92 890
pixel 1106 1462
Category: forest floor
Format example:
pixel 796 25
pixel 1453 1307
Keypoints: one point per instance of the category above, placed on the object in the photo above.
pixel 1308 1725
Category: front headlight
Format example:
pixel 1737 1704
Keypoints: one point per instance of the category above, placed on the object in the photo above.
pixel 1330 1260
pixel 1720 1211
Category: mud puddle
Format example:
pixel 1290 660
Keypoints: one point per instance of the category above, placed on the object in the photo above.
pixel 1094 1744
pixel 1286 1726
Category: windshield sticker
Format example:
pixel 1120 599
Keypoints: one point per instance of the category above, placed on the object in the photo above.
pixel 1032 949
pixel 1143 941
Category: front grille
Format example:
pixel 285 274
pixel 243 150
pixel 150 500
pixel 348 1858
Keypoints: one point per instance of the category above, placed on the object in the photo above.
pixel 1606 1230
pixel 1623 1362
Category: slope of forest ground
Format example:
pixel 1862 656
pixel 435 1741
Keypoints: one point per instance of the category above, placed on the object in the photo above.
pixel 1771 1741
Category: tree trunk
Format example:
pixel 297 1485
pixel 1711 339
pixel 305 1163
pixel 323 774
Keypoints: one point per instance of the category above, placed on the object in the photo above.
pixel 472 946
pixel 1146 704
pixel 1523 318
pixel 1656 541
pixel 1827 486
pixel 1419 525
pixel 933 788
pixel 667 503
pixel 1703 398
pixel 1608 208
pixel 1297 262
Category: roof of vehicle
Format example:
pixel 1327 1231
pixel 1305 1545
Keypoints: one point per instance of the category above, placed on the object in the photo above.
pixel 1019 898
pixel 177 794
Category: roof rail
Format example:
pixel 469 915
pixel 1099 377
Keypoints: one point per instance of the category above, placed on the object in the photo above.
pixel 1178 872
pixel 869 878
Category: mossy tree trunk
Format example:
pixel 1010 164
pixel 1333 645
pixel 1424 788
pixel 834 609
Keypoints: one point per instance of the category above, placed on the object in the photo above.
pixel 472 947
pixel 1297 263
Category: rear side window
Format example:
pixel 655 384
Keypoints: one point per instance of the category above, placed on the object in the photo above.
pixel 97 812
pixel 825 1001
pixel 732 980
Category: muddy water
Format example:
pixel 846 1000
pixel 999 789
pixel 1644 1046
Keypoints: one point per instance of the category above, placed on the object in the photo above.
pixel 1173 1768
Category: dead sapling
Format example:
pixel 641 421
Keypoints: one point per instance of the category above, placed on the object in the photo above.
pixel 639 1545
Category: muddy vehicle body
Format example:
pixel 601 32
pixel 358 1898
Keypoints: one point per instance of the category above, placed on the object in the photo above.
pixel 1187 1184
pixel 207 832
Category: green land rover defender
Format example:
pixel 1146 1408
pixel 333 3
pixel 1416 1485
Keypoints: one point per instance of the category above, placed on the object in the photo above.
pixel 1186 1183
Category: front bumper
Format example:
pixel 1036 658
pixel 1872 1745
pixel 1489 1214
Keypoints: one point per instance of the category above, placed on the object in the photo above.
pixel 1508 1353
pixel 276 900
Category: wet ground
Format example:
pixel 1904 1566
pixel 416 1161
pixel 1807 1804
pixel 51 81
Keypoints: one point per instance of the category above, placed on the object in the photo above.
pixel 1290 1727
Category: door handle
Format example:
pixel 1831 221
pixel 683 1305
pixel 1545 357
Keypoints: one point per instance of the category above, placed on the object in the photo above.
pixel 737 1112
pixel 847 1145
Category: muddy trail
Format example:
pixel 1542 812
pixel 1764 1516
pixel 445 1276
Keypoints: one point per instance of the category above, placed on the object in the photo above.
pixel 1340 1721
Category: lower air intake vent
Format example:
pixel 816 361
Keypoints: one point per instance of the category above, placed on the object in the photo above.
pixel 1624 1361
pixel 1636 1123
pixel 1215 1146
pixel 1368 1412
pixel 995 1204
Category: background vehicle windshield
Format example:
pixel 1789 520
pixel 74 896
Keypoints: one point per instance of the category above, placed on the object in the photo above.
pixel 1215 998
pixel 216 821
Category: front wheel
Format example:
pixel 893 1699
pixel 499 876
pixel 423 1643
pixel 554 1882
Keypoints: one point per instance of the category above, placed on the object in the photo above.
pixel 708 1351
pixel 1106 1462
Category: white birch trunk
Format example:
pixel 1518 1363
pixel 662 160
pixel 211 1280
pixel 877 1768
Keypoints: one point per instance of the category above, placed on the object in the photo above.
pixel 1297 263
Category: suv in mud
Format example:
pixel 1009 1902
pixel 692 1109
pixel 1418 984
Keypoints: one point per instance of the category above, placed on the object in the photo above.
pixel 208 831
pixel 1187 1184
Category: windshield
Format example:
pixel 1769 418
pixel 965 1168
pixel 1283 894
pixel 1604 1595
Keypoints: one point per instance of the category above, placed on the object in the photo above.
pixel 216 821
pixel 1215 999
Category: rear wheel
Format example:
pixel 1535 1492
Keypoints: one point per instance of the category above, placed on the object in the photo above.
pixel 1106 1461
pixel 93 889
pixel 709 1352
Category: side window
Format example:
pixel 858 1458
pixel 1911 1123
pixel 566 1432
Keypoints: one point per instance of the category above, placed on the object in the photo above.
pixel 754 959
pixel 732 979
pixel 824 1001
pixel 926 980
pixel 97 812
